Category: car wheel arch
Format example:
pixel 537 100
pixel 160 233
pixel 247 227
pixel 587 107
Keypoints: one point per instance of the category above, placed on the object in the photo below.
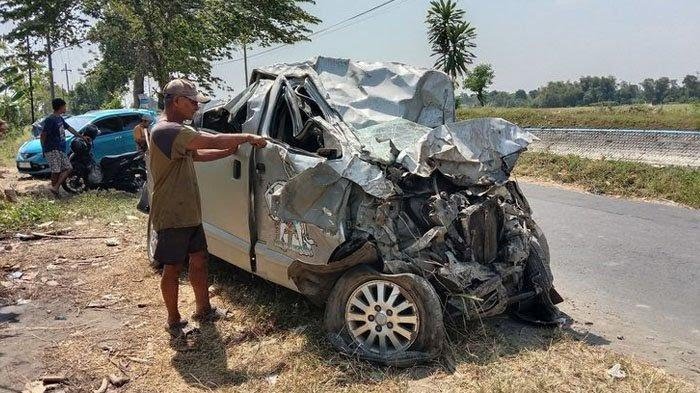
pixel 316 281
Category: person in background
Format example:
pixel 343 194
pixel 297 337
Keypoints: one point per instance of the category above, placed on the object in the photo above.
pixel 141 133
pixel 53 144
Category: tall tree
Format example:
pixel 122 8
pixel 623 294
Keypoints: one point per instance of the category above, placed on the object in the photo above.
pixel 96 91
pixel 479 80
pixel 189 35
pixel 662 88
pixel 627 93
pixel 56 22
pixel 691 86
pixel 451 38
pixel 649 89
pixel 521 95
pixel 559 94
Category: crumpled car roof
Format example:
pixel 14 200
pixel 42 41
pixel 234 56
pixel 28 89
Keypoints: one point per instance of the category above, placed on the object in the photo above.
pixel 366 93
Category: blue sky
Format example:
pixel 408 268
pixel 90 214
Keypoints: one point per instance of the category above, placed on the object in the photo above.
pixel 528 42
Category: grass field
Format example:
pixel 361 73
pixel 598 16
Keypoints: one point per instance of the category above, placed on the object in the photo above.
pixel 666 117
pixel 274 340
pixel 31 210
pixel 629 179
pixel 9 144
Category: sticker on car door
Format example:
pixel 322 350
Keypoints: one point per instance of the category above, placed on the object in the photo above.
pixel 289 235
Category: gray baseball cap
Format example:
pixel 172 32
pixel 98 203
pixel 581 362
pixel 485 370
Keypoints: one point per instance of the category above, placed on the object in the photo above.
pixel 185 88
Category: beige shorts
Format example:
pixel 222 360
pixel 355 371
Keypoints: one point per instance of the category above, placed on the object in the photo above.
pixel 58 161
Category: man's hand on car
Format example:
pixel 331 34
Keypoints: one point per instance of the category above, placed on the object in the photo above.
pixel 257 141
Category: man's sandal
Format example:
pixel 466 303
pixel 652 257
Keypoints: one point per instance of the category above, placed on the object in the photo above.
pixel 178 329
pixel 214 314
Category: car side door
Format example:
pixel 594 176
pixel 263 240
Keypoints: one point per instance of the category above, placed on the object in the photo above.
pixel 224 189
pixel 105 143
pixel 279 243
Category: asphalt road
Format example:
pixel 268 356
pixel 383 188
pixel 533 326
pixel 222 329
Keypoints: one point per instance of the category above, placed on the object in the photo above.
pixel 628 271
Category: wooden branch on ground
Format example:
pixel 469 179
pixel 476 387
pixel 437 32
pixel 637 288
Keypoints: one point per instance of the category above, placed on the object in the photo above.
pixel 57 234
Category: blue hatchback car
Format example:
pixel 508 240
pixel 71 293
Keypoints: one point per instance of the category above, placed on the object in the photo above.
pixel 115 137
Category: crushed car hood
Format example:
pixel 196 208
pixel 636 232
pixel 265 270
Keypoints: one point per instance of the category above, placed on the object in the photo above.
pixel 366 94
pixel 478 152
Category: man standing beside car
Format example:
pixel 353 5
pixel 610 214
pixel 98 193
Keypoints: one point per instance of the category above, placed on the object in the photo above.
pixel 175 210
pixel 53 144
pixel 141 133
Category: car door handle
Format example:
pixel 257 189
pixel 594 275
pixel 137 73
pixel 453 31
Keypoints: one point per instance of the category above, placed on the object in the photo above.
pixel 236 169
pixel 260 167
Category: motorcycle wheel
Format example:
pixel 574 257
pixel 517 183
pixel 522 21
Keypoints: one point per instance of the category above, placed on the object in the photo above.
pixel 139 177
pixel 137 180
pixel 75 184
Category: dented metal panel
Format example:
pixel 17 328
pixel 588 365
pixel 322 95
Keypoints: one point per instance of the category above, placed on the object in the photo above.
pixel 371 93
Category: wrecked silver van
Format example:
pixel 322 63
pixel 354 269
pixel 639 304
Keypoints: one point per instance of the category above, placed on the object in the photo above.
pixel 371 199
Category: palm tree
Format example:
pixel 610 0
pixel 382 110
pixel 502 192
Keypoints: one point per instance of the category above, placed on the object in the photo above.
pixel 451 38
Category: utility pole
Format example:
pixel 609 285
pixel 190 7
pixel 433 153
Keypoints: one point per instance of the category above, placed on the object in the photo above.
pixel 245 63
pixel 66 70
pixel 48 55
pixel 31 83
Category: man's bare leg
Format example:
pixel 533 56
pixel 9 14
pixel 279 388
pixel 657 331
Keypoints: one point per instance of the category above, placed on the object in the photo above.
pixel 198 273
pixel 169 284
pixel 54 180
pixel 61 178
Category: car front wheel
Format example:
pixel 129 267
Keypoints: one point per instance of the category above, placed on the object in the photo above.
pixel 393 319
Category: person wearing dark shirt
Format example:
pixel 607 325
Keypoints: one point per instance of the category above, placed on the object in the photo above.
pixel 53 144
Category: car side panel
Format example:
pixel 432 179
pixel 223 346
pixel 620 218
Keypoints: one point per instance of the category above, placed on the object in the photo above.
pixel 224 192
pixel 102 146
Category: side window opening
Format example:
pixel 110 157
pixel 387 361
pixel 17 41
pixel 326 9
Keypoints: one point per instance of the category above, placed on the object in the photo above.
pixel 229 119
pixel 309 108
pixel 293 122
pixel 216 120
pixel 109 125
pixel 295 133
pixel 131 121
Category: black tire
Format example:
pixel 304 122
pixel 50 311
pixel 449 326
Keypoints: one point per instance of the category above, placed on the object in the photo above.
pixel 75 184
pixel 137 179
pixel 538 310
pixel 541 238
pixel 428 337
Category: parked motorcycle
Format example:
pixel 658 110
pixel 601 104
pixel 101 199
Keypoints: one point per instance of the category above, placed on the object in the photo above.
pixel 125 172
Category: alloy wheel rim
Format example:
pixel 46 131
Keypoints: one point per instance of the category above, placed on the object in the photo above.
pixel 382 317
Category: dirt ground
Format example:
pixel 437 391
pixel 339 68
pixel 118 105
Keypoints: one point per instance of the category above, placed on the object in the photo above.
pixel 87 308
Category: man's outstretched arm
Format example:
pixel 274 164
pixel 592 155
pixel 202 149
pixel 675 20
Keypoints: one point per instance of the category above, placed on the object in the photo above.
pixel 204 155
pixel 74 132
pixel 226 142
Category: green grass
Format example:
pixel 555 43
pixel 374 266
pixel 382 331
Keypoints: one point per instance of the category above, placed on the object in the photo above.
pixel 629 179
pixel 33 210
pixel 668 117
pixel 10 143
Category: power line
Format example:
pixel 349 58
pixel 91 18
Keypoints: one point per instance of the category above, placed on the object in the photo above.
pixel 319 32
pixel 359 21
